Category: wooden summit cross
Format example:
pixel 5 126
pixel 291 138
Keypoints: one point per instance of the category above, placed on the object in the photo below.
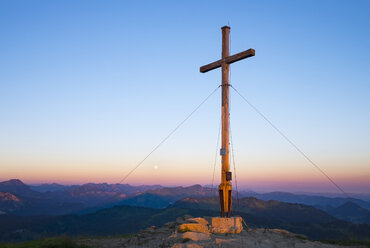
pixel 225 186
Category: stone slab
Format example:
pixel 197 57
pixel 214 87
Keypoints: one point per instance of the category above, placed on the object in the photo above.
pixel 226 225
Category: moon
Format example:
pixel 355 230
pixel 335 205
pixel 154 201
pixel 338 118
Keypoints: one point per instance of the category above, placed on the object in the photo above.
pixel 155 167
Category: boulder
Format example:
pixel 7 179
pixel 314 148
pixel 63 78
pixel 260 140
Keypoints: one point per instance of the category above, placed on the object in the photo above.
pixel 193 227
pixel 186 246
pixel 198 220
pixel 196 236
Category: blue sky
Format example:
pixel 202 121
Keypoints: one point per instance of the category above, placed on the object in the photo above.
pixel 88 88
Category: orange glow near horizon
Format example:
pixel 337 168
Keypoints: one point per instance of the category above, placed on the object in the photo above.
pixel 263 177
pixel 256 174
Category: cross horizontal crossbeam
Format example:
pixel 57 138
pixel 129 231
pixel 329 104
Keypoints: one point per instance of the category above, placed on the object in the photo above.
pixel 228 60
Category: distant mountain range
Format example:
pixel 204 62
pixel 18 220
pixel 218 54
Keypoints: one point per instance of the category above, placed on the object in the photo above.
pixel 53 199
pixel 312 200
pixel 50 187
pixel 17 187
pixel 351 212
pixel 349 209
pixel 163 197
pixel 17 198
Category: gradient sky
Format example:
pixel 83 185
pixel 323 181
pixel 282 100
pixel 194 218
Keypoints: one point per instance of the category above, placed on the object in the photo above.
pixel 88 88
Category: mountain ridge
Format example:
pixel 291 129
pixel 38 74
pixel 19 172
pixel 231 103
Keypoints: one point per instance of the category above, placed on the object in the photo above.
pixel 91 197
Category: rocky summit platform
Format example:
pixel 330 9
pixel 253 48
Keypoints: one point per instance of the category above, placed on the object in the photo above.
pixel 189 232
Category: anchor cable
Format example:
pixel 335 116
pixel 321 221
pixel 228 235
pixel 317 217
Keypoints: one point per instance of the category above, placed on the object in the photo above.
pixel 233 157
pixel 216 156
pixel 290 142
pixel 232 153
pixel 168 136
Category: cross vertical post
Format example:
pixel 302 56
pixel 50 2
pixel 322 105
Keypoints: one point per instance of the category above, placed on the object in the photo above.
pixel 225 187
